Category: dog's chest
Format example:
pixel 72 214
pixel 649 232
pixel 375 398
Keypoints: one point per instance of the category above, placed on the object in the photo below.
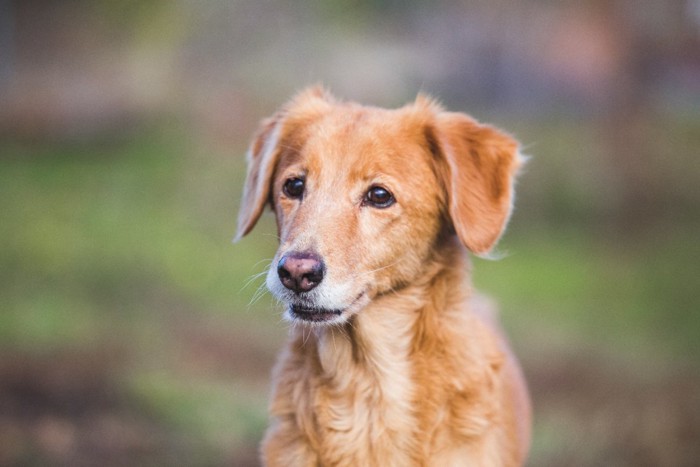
pixel 363 402
pixel 376 413
pixel 370 402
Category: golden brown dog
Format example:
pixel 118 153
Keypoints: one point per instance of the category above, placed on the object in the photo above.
pixel 393 362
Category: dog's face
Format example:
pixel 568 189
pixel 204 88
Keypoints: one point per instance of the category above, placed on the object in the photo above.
pixel 362 197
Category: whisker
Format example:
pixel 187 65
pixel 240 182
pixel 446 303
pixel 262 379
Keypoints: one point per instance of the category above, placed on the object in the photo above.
pixel 257 275
pixel 304 336
pixel 342 330
pixel 260 290
pixel 268 260
pixel 259 293
pixel 252 278
pixel 363 273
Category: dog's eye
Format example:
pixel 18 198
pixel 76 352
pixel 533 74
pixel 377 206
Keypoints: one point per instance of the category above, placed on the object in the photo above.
pixel 294 187
pixel 379 197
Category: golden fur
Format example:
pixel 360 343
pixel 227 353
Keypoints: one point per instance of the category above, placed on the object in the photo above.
pixel 409 366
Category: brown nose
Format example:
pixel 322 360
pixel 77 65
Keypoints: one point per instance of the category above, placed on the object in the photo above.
pixel 300 272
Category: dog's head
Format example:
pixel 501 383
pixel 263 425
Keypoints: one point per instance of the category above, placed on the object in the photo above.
pixel 363 196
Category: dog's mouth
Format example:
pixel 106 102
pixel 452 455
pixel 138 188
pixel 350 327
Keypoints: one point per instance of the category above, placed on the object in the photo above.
pixel 313 315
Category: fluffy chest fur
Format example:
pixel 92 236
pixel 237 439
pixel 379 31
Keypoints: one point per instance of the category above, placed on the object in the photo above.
pixel 391 388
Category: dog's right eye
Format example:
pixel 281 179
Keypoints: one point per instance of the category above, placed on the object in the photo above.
pixel 379 197
pixel 294 187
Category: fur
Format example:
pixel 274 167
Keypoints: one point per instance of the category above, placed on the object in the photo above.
pixel 408 366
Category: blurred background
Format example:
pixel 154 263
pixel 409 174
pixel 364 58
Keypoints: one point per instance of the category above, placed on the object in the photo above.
pixel 132 332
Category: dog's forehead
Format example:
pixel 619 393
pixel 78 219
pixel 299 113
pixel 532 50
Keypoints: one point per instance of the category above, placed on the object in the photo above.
pixel 365 141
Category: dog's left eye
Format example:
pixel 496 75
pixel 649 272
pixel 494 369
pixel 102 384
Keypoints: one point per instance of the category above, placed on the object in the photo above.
pixel 379 197
pixel 294 187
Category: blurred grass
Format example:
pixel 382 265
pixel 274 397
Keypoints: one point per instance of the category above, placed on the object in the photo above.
pixel 88 231
pixel 629 293
pixel 128 246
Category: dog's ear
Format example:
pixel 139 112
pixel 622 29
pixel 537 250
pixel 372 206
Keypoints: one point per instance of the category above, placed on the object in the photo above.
pixel 261 158
pixel 264 152
pixel 481 163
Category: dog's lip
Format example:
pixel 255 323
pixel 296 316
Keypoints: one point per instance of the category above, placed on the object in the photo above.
pixel 319 315
pixel 315 315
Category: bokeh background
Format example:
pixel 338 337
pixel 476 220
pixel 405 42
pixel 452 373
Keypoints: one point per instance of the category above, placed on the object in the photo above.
pixel 132 332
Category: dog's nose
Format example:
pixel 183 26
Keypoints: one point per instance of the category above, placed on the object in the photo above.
pixel 300 272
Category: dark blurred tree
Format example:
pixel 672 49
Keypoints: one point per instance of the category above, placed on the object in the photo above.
pixel 84 69
pixel 653 42
pixel 7 43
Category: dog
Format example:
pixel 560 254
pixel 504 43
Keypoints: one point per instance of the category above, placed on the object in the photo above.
pixel 392 359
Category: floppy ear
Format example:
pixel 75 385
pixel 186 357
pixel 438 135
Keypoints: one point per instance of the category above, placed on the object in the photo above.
pixel 481 166
pixel 264 151
pixel 261 158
